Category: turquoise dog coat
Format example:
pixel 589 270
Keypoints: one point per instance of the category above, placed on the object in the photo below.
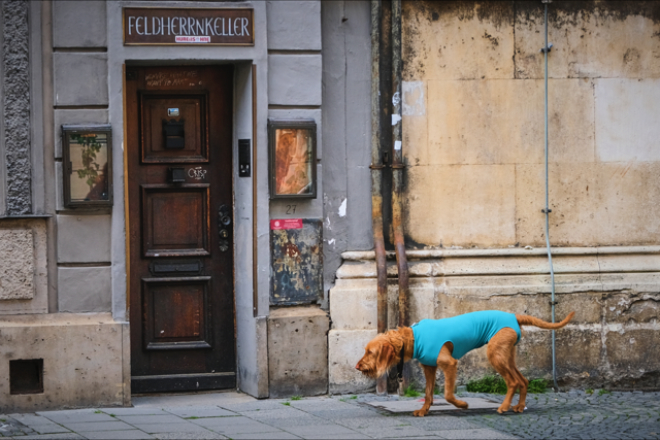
pixel 466 332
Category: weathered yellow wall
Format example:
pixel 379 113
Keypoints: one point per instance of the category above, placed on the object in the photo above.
pixel 474 123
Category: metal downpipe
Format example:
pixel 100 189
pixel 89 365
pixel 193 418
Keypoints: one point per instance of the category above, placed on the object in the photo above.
pixel 547 210
pixel 397 180
pixel 397 165
pixel 376 179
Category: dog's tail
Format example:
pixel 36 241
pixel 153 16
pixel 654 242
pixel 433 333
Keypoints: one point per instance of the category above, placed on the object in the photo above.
pixel 536 322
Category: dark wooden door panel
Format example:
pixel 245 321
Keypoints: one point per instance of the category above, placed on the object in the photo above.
pixel 176 313
pixel 176 220
pixel 188 112
pixel 179 197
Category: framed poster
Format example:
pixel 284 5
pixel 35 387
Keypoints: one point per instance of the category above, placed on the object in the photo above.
pixel 292 154
pixel 87 165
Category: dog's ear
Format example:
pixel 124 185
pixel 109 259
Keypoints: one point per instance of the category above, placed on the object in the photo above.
pixel 386 356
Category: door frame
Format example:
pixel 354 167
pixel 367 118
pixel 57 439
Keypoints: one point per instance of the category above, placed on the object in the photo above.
pixel 250 337
pixel 251 331
pixel 215 305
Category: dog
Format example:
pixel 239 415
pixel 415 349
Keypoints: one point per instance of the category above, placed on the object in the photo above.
pixel 441 342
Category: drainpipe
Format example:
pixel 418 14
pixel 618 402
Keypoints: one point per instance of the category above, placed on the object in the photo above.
pixel 376 179
pixel 397 180
pixel 397 165
pixel 547 209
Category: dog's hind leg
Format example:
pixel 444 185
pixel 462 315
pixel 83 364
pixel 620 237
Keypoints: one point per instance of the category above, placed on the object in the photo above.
pixel 448 365
pixel 499 354
pixel 429 375
pixel 523 388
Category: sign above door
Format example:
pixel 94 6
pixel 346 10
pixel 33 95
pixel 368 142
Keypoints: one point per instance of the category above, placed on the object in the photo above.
pixel 188 26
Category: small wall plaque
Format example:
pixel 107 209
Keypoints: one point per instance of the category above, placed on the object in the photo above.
pixel 87 164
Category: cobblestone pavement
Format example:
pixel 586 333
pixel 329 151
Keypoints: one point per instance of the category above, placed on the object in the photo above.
pixel 237 416
pixel 570 415
pixel 577 415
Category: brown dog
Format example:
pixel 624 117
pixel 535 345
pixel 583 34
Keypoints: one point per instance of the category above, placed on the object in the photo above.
pixel 384 350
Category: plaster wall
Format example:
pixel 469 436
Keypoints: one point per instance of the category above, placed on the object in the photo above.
pixel 346 132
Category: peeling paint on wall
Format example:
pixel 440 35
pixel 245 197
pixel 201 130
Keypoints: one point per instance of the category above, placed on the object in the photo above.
pixel 413 98
pixel 297 263
pixel 342 209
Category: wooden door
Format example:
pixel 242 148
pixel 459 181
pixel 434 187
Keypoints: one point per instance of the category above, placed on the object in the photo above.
pixel 179 153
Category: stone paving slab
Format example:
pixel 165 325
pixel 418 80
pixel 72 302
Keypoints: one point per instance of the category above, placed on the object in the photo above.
pixel 133 411
pixel 439 404
pixel 113 425
pixel 354 435
pixel 199 411
pixel 289 422
pixel 69 436
pixel 40 425
pixel 76 416
pixel 147 419
pixel 342 414
pixel 188 435
pixel 179 426
pixel 201 399
pixel 234 425
pixel 256 405
pixel 265 436
pixel 133 434
pixel 319 430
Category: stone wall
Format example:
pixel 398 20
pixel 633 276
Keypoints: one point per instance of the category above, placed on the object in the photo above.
pixel 612 340
pixel 473 141
pixel 474 123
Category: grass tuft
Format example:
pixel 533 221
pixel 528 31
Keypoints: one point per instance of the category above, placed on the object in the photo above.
pixel 604 391
pixel 286 403
pixel 353 397
pixel 296 397
pixel 98 411
pixel 192 418
pixel 497 385
pixel 488 384
pixel 589 391
pixel 538 386
pixel 411 392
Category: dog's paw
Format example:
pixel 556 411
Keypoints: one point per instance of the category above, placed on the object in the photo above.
pixel 519 408
pixel 503 408
pixel 459 404
pixel 420 412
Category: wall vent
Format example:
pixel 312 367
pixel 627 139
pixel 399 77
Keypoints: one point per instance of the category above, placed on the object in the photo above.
pixel 26 376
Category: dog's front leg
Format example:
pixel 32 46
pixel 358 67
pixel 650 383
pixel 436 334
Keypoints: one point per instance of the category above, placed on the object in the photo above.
pixel 429 375
pixel 448 365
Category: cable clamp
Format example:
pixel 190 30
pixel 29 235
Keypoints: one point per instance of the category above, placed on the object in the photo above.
pixel 546 49
pixel 376 167
pixel 553 303
pixel 546 211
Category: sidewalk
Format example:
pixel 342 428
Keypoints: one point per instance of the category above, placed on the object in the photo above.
pixel 238 416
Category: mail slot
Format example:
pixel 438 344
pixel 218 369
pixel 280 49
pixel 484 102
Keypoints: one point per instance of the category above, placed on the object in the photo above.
pixel 173 134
